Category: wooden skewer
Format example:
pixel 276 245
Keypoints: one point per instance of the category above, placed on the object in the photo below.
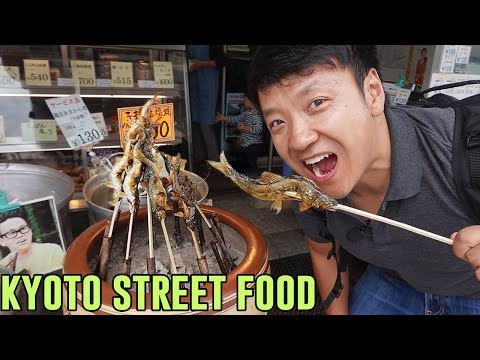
pixel 394 223
pixel 173 265
pixel 385 220
pixel 133 215
pixel 201 260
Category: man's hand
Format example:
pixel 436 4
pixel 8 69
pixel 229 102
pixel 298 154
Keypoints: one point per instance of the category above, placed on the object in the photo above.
pixel 466 245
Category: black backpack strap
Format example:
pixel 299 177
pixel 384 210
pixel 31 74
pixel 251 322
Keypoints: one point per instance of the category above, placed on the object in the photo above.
pixel 466 157
pixel 338 286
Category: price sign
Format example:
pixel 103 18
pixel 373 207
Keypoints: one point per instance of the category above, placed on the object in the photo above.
pixel 163 73
pixel 449 55
pixel 463 54
pixel 122 74
pixel 161 117
pixel 2 129
pixel 75 121
pixel 37 72
pixel 45 130
pixel 402 96
pixel 83 73
pixel 10 76
pixel 100 121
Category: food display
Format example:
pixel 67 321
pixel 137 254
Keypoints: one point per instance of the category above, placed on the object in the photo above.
pixel 164 179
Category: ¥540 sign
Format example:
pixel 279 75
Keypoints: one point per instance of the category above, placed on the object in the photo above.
pixel 161 117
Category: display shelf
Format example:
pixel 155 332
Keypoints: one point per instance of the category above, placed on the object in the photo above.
pixel 24 100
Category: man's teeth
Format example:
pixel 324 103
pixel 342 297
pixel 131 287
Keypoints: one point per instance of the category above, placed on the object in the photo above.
pixel 316 170
pixel 317 159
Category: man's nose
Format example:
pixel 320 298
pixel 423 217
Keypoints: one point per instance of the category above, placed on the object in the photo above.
pixel 302 134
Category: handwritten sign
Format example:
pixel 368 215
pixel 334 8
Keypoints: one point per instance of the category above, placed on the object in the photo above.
pixel 10 77
pixel 463 54
pixel 161 117
pixel 83 73
pixel 75 121
pixel 449 55
pixel 100 121
pixel 122 74
pixel 37 72
pixel 45 130
pixel 163 73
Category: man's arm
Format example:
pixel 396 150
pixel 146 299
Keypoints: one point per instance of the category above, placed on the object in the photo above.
pixel 325 272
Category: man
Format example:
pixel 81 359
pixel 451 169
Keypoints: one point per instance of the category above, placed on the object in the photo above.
pixel 326 111
pixel 206 61
pixel 33 258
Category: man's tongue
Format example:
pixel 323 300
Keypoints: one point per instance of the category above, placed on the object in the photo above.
pixel 324 166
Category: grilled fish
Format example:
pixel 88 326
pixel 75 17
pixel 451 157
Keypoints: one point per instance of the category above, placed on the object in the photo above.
pixel 277 188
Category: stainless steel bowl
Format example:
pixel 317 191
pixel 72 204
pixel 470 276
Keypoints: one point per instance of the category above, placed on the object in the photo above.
pixel 98 195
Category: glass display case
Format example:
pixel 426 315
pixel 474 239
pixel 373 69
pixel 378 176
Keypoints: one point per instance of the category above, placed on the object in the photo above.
pixel 106 77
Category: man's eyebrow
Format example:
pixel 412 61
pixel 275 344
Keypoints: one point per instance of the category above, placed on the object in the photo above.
pixel 304 90
pixel 315 84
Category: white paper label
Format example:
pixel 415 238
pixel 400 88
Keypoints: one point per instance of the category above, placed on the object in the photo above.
pixel 37 72
pixel 449 55
pixel 27 131
pixel 463 54
pixel 104 82
pixel 402 96
pixel 460 92
pixel 75 121
pixel 146 83
pixel 83 73
pixel 10 77
pixel 65 82
pixel 163 73
pixel 45 130
pixel 100 121
pixel 122 74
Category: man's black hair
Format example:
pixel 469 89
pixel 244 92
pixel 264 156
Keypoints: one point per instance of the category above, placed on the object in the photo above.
pixel 273 63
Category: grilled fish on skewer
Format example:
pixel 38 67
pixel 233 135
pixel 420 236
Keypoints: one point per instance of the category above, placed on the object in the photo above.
pixel 277 188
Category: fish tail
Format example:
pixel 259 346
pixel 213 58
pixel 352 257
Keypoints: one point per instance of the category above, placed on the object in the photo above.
pixel 223 166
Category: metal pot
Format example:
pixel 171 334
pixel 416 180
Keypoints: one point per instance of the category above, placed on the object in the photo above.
pixel 98 195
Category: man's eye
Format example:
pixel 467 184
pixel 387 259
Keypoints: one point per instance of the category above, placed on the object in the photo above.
pixel 315 103
pixel 275 123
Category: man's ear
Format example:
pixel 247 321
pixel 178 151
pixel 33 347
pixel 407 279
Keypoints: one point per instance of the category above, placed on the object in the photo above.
pixel 374 94
pixel 2 241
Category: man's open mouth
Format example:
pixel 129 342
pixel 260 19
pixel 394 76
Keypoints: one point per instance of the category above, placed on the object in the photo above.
pixel 321 165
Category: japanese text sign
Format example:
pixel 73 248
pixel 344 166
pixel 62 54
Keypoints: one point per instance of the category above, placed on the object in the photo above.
pixel 161 117
pixel 74 120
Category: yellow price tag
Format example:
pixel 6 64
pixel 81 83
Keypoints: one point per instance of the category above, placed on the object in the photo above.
pixel 37 72
pixel 161 116
pixel 122 74
pixel 163 73
pixel 83 73
pixel 45 130
pixel 10 76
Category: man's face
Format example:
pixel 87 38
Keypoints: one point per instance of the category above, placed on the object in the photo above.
pixel 15 234
pixel 322 126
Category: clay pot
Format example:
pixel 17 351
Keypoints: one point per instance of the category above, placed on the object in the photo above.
pixel 255 262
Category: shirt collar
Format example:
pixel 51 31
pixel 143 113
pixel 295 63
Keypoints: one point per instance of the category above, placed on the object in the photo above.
pixel 406 171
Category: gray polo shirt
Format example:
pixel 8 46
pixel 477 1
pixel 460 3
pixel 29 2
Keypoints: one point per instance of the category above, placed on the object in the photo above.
pixel 421 194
